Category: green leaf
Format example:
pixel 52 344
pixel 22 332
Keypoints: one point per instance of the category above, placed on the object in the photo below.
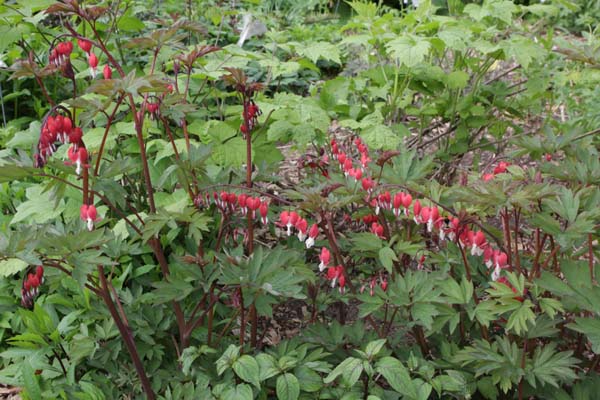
pixel 227 359
pixel 395 374
pixel 519 318
pixel 457 80
pixel 320 50
pixel 32 386
pixel 381 137
pixel 387 258
pixel 11 266
pixel 240 392
pixel 310 381
pixel 287 387
pixel 267 366
pixel 350 369
pixel 551 367
pixel 130 24
pixel 38 208
pixel 589 327
pixel 247 369
pixel 409 50
pixel 374 347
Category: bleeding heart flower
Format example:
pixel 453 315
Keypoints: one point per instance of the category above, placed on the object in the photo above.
pixel 324 257
pixel 368 184
pixel 89 214
pixel 84 45
pixel 377 229
pixel 417 211
pixel 78 155
pixel 242 198
pixel 302 226
pixel 501 167
pixel 264 209
pixel 312 234
pixel 107 72
pixel 478 244
pixel 487 177
pixel 93 62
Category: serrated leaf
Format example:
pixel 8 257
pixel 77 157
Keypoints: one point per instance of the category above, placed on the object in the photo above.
pixel 409 50
pixel 387 258
pixel 320 50
pixel 11 266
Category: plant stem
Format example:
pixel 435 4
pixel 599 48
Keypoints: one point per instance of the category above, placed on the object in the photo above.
pixel 126 336
pixel 591 257
pixel 516 213
pixel 107 129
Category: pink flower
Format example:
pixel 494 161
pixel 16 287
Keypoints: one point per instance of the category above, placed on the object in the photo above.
pixel 500 262
pixel 242 198
pixel 417 211
pixel 487 177
pixel 368 184
pixel 78 155
pixel 312 234
pixel 501 167
pixel 384 284
pixel 421 262
pixel 93 62
pixel 107 72
pixel 347 165
pixel 396 203
pixel 253 203
pixel 302 226
pixel 324 257
pixel 89 214
pixel 264 209
pixel 478 244
pixel 377 229
pixel 335 273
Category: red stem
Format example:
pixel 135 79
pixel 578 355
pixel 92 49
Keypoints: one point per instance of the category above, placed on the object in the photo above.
pixel 126 336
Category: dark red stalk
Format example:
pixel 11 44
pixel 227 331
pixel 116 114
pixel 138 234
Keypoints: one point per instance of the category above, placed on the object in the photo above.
pixel 591 257
pixel 126 335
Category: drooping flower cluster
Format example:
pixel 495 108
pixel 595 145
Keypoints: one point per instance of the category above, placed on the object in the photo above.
pixel 250 114
pixel 291 219
pixel 229 202
pixel 347 164
pixel 60 54
pixel 57 130
pixel 30 287
pixel 446 227
pixel 372 284
pixel 335 274
pixel 86 46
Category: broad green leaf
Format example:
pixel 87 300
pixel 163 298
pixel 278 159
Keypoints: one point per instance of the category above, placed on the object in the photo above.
pixel 381 137
pixel 350 369
pixel 320 50
pixel 409 50
pixel 287 387
pixel 374 347
pixel 247 368
pixel 11 266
